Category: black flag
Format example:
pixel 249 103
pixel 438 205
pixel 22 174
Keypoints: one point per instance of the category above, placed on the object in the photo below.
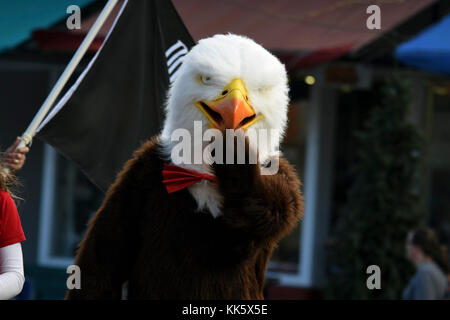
pixel 117 102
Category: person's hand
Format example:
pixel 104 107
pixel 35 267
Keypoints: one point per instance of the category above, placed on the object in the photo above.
pixel 15 159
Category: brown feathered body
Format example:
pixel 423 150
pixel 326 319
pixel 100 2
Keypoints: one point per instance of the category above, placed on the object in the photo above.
pixel 165 248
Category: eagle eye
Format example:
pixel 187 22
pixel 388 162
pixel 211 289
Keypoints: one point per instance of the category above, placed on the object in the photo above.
pixel 264 90
pixel 205 79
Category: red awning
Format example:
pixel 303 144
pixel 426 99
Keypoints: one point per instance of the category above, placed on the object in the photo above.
pixel 61 39
pixel 302 33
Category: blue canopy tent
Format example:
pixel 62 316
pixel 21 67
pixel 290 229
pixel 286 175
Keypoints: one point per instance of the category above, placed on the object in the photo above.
pixel 430 50
pixel 19 18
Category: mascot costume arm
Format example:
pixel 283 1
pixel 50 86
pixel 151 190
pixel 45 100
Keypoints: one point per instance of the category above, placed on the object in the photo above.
pixel 264 207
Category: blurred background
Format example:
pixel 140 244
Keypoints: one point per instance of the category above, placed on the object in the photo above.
pixel 369 134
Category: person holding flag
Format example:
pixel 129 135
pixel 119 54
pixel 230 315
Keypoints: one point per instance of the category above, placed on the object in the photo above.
pixel 11 234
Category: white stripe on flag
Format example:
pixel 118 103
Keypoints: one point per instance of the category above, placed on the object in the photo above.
pixel 175 60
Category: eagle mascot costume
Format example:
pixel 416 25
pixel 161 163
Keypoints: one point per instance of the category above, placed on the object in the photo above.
pixel 213 237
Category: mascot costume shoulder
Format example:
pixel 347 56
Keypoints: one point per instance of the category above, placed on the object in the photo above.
pixel 206 229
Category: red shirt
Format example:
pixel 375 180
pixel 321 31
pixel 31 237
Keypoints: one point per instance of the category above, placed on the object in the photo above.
pixel 10 227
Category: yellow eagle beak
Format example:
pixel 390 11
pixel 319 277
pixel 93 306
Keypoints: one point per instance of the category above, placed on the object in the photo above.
pixel 231 109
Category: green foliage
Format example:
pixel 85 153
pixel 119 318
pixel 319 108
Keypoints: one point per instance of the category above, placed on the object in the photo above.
pixel 383 202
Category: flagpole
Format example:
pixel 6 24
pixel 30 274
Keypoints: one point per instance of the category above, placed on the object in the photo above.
pixel 29 133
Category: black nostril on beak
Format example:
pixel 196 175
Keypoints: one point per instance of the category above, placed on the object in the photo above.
pixel 224 92
pixel 213 114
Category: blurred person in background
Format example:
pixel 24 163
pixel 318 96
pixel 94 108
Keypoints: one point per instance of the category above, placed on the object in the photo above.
pixel 11 235
pixel 430 259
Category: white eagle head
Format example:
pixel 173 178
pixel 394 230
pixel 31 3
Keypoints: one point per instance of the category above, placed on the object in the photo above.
pixel 229 82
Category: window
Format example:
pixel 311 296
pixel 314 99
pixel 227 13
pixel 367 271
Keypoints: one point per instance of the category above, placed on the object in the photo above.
pixel 286 257
pixel 300 257
pixel 68 200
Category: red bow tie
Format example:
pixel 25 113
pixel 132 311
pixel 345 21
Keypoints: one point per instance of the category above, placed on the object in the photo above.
pixel 176 178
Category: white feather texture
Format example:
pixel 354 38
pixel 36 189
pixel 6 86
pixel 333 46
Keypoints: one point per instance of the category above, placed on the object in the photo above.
pixel 221 59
